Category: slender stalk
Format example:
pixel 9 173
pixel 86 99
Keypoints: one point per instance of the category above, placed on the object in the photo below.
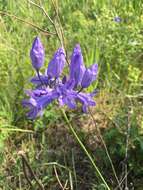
pixel 16 130
pixel 27 22
pixel 106 149
pixel 55 5
pixel 58 29
pixel 65 186
pixel 126 153
pixel 25 163
pixel 122 180
pixel 74 170
pixel 49 18
pixel 38 74
pixel 84 149
pixel 25 173
pixel 56 173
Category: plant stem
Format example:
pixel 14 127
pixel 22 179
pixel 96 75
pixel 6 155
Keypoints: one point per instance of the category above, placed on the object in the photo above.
pixel 58 29
pixel 25 173
pixel 126 153
pixel 38 74
pixel 56 173
pixel 27 22
pixel 106 149
pixel 25 163
pixel 84 149
pixel 50 19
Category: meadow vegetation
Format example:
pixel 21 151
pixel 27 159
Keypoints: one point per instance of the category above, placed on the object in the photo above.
pixel 53 154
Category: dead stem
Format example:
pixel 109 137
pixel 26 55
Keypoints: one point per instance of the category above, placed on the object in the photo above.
pixel 25 173
pixel 26 163
pixel 57 177
pixel 27 22
pixel 58 30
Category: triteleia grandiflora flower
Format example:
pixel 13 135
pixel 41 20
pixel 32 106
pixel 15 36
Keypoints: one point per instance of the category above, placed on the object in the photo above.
pixel 77 67
pixel 89 76
pixel 50 86
pixel 37 54
pixel 56 65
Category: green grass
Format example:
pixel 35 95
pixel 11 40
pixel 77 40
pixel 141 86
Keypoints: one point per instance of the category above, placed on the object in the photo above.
pixel 117 48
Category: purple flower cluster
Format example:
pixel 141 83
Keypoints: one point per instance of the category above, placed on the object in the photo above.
pixel 50 86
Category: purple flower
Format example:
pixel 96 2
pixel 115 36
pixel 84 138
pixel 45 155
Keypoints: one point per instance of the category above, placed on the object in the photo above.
pixel 38 92
pixel 50 86
pixel 57 63
pixel 89 76
pixel 117 19
pixel 37 103
pixel 68 96
pixel 77 67
pixel 37 54
pixel 34 110
pixel 86 100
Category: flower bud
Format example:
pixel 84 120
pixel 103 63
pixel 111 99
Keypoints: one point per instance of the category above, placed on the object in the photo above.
pixel 89 76
pixel 37 54
pixel 77 67
pixel 57 63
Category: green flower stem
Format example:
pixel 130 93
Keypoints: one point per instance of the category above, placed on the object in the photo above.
pixel 84 149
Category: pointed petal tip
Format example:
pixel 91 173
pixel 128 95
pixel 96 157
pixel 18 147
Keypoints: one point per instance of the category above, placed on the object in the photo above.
pixel 77 45
pixel 77 48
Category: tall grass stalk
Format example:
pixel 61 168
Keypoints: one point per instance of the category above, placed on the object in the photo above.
pixel 26 22
pixel 84 149
pixel 106 150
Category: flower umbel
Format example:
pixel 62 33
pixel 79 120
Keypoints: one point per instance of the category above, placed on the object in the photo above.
pixel 51 86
